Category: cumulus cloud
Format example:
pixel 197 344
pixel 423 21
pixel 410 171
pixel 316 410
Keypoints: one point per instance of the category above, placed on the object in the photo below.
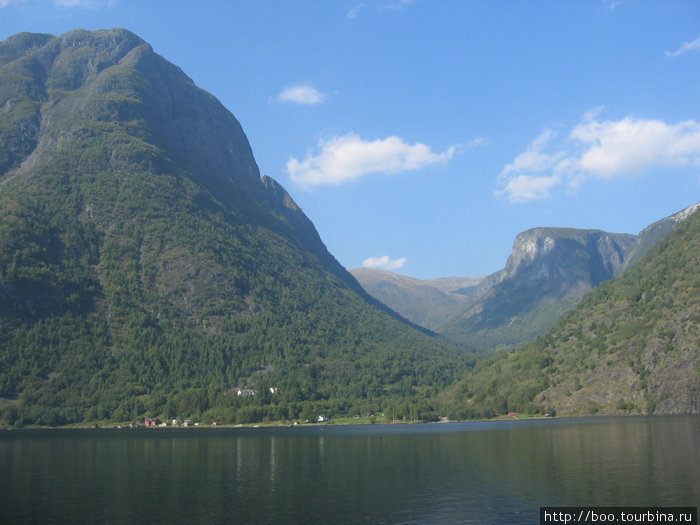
pixel 524 188
pixel 598 148
pixel 383 262
pixel 634 145
pixel 349 157
pixel 685 48
pixel 302 94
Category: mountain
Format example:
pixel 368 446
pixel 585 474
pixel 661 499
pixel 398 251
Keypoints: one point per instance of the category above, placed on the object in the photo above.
pixel 146 269
pixel 428 303
pixel 630 346
pixel 548 272
pixel 652 234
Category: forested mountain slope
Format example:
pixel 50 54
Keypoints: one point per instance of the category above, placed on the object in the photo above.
pixel 147 270
pixel 631 346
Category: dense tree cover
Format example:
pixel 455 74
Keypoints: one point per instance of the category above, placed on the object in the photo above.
pixel 162 307
pixel 631 345
pixel 145 270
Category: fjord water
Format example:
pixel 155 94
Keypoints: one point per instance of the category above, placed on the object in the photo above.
pixel 481 472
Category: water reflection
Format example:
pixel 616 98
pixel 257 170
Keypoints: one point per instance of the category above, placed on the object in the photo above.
pixel 454 473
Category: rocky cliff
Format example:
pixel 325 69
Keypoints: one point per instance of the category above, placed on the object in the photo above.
pixel 548 272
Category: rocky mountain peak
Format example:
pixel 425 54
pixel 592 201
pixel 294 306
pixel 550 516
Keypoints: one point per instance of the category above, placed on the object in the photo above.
pixel 551 248
pixel 530 244
pixel 57 87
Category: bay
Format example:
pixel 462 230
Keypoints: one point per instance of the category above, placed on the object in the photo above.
pixel 475 472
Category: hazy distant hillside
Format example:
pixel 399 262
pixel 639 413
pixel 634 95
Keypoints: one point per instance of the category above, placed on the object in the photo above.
pixel 428 303
pixel 548 272
pixel 631 346
pixel 147 270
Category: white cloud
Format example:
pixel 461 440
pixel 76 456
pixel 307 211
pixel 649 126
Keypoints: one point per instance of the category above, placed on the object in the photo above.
pixel 602 149
pixel 383 262
pixel 534 159
pixel 302 94
pixel 634 145
pixel 524 188
pixel 6 3
pixel 349 157
pixel 685 47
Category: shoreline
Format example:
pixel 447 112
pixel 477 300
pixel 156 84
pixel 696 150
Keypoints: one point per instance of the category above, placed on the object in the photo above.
pixel 277 425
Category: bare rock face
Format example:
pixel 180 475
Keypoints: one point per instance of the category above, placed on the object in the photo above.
pixel 558 253
pixel 548 272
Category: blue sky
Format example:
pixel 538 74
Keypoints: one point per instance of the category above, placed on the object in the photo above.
pixel 423 135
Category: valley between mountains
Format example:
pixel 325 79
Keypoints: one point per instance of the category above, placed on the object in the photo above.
pixel 547 274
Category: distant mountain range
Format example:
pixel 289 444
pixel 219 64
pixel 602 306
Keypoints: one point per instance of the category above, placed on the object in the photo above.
pixel 428 303
pixel 547 274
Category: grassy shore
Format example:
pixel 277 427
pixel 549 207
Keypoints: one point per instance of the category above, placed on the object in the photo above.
pixel 375 419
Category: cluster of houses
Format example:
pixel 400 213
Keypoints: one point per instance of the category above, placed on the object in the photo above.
pixel 245 392
pixel 153 422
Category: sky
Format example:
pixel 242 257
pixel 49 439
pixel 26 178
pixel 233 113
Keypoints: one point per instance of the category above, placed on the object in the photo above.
pixel 422 136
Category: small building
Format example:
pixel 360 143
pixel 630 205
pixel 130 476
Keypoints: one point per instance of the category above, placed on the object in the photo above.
pixel 246 392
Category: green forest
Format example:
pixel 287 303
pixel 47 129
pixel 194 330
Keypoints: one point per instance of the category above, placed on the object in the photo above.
pixel 629 347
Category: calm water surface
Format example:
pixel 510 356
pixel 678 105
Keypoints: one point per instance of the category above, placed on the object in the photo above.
pixel 485 472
